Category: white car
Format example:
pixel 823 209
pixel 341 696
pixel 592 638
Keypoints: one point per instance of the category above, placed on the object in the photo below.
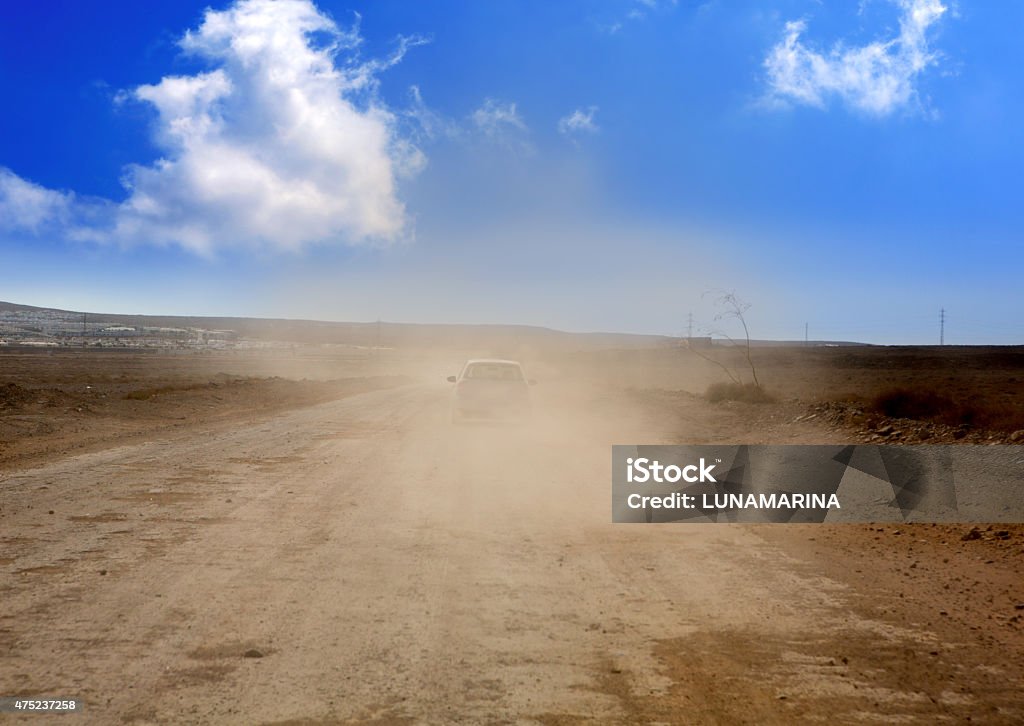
pixel 491 389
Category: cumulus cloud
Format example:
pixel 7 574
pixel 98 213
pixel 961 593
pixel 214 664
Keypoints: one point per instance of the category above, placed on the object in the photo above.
pixel 28 207
pixel 280 143
pixel 580 120
pixel 878 78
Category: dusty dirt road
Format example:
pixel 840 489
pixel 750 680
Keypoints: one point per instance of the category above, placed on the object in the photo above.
pixel 363 561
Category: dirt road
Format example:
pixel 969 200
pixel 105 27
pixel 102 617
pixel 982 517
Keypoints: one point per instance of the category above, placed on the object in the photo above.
pixel 363 561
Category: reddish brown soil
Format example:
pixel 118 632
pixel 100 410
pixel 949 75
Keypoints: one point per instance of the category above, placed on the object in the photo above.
pixel 56 403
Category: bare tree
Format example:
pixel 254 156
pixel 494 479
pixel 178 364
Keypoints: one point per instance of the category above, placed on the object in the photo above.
pixel 730 307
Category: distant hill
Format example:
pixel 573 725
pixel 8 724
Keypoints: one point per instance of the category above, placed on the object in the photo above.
pixel 357 333
pixel 352 333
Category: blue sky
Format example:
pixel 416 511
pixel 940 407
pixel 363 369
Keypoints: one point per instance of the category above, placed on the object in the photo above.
pixel 585 166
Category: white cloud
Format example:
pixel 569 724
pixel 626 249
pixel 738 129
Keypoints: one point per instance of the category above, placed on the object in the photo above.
pixel 280 144
pixel 28 207
pixel 636 11
pixel 499 124
pixel 426 122
pixel 580 120
pixel 878 78
pixel 495 121
pixel 495 118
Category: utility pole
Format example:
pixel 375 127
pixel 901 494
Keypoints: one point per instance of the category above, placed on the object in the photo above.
pixel 942 326
pixel 689 327
pixel 805 333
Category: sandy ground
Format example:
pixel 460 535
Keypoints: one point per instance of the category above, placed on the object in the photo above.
pixel 71 401
pixel 363 561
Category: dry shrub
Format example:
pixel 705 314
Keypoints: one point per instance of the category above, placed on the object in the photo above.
pixel 920 405
pixel 937 408
pixel 743 392
pixel 12 395
pixel 145 394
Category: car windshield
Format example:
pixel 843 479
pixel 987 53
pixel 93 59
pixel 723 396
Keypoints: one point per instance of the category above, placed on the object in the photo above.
pixel 494 372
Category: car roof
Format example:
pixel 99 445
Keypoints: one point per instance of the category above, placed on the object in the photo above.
pixel 502 361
